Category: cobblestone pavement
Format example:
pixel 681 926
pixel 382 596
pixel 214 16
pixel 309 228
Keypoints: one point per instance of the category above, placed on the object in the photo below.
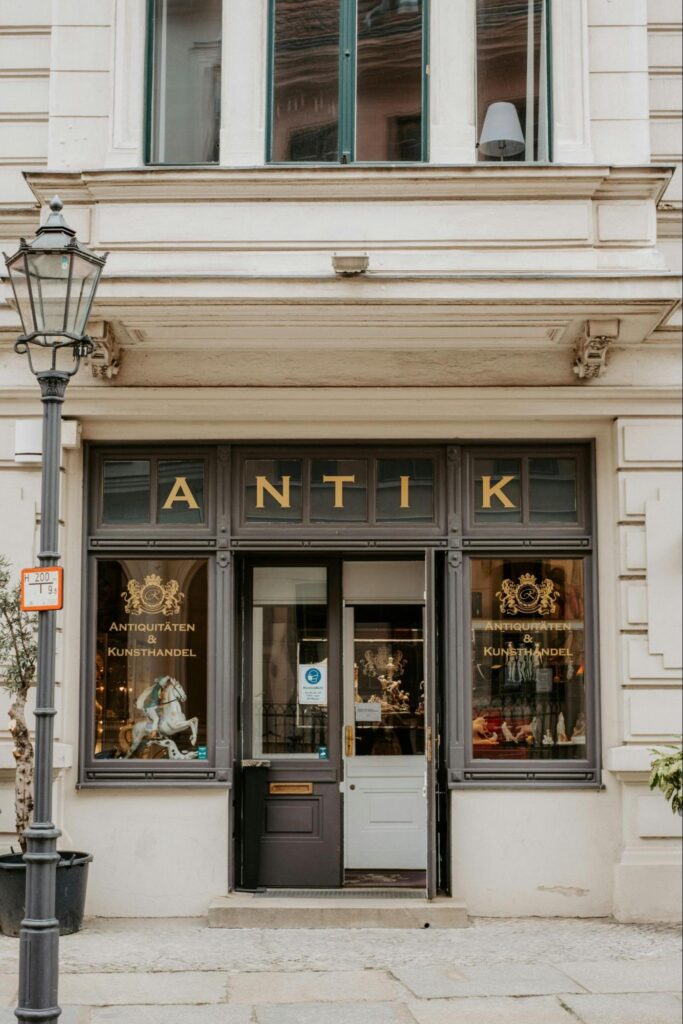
pixel 516 972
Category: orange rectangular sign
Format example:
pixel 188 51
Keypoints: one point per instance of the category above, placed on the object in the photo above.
pixel 42 589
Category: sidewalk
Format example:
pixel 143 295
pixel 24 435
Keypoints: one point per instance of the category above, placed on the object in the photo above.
pixel 495 972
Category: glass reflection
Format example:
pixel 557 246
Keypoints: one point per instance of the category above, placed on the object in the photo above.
pixel 187 81
pixel 306 81
pixel 289 661
pixel 389 83
pixel 528 659
pixel 126 491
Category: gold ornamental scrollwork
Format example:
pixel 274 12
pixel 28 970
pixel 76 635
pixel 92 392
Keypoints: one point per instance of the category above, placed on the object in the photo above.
pixel 527 596
pixel 152 596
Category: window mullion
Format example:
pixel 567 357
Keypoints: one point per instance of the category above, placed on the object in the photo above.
pixel 347 81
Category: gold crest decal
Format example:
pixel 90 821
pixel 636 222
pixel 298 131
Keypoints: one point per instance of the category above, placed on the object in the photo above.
pixel 527 596
pixel 152 596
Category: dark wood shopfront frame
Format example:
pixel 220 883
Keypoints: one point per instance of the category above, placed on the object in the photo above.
pixel 448 542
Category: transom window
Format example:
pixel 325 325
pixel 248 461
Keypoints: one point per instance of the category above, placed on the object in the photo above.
pixel 348 80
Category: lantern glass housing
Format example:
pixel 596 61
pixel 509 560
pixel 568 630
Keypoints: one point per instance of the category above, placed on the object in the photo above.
pixel 54 279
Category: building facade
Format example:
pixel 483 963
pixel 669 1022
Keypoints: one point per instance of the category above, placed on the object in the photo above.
pixel 373 479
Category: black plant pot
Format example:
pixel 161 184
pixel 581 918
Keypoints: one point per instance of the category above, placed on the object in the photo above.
pixel 72 882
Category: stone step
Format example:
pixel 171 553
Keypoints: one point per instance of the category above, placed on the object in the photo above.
pixel 248 910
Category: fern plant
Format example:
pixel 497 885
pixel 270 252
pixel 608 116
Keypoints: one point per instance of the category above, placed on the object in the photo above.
pixel 18 658
pixel 666 776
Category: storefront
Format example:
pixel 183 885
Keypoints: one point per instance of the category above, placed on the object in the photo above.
pixel 377 624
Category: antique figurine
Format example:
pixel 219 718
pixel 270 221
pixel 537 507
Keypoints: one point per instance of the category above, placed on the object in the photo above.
pixel 481 734
pixel 161 704
pixel 507 735
pixel 579 731
pixel 548 740
pixel 562 730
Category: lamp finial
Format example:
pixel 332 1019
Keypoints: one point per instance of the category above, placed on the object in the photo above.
pixel 56 204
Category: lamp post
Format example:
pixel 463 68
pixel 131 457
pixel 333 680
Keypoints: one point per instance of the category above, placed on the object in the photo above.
pixel 54 280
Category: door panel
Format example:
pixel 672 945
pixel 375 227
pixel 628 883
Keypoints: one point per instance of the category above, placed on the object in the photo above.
pixel 384 671
pixel 386 819
pixel 295 720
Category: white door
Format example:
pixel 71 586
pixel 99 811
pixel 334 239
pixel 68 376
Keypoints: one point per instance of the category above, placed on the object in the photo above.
pixel 385 805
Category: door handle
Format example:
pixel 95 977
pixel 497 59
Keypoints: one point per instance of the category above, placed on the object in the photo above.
pixel 349 741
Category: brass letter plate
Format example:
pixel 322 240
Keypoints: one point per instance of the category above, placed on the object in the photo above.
pixel 291 789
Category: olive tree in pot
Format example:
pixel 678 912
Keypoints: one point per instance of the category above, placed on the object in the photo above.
pixel 666 775
pixel 18 658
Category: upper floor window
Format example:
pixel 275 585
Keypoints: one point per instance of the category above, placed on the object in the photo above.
pixel 348 80
pixel 184 87
pixel 513 90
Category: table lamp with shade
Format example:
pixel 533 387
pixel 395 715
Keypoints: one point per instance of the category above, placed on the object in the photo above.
pixel 502 134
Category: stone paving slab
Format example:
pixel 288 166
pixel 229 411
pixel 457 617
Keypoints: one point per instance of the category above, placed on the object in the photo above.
pixel 340 1013
pixel 188 945
pixel 631 1009
pixel 313 986
pixel 8 989
pixel 621 976
pixel 547 1010
pixel 444 983
pixel 173 1015
pixel 159 989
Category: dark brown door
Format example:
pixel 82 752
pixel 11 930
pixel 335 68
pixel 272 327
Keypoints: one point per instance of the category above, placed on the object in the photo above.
pixel 292 718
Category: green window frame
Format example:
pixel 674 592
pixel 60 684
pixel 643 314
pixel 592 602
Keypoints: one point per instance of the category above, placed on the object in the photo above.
pixel 348 52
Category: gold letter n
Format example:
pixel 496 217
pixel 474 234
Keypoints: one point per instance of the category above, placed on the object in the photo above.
pixel 263 487
pixel 497 490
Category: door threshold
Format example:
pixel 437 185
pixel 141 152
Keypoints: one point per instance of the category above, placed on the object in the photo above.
pixel 335 908
pixel 342 894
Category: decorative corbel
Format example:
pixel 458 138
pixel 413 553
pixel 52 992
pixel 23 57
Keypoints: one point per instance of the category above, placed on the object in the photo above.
pixel 592 347
pixel 105 361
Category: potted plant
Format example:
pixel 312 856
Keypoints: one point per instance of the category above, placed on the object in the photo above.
pixel 666 776
pixel 18 658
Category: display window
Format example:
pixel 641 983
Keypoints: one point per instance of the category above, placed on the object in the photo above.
pixel 151 660
pixel 528 659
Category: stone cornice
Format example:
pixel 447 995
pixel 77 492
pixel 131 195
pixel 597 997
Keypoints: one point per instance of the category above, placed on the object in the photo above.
pixel 352 184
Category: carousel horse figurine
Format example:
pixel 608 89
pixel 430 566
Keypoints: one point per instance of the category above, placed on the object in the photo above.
pixel 164 716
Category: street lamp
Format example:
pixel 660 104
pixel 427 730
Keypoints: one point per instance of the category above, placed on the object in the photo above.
pixel 54 279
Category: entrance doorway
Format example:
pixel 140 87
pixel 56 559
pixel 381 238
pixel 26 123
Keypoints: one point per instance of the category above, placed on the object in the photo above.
pixel 336 705
pixel 385 786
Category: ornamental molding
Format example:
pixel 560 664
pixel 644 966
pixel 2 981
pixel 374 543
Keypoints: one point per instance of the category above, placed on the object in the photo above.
pixel 353 184
pixel 592 348
pixel 105 360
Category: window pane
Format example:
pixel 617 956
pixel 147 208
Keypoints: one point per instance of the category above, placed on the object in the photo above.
pixel 339 491
pixel 126 492
pixel 290 661
pixel 389 89
pixel 151 663
pixel 306 80
pixel 405 490
pixel 528 659
pixel 512 80
pixel 553 490
pixel 187 81
pixel 388 669
pixel 180 492
pixel 497 491
pixel 274 490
